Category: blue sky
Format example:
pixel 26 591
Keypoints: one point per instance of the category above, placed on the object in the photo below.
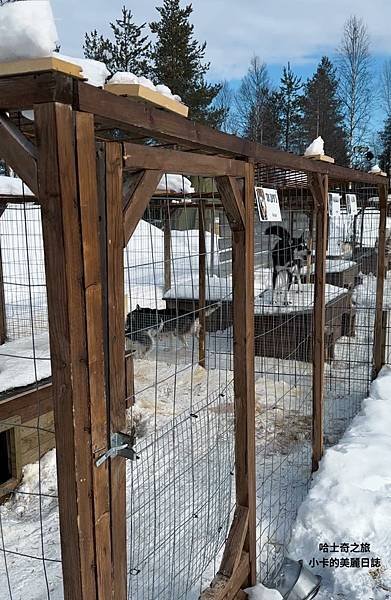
pixel 300 31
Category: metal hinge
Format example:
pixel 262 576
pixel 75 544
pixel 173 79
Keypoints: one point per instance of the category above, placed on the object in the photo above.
pixel 121 445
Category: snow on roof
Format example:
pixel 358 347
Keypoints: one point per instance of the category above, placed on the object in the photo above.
pixel 175 183
pixel 122 77
pixel 13 186
pixel 27 30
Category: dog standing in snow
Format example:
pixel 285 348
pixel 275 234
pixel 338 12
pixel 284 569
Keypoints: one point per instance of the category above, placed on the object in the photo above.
pixel 144 325
pixel 288 256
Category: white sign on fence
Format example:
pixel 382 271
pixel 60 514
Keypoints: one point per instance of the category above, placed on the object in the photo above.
pixel 351 204
pixel 334 205
pixel 268 204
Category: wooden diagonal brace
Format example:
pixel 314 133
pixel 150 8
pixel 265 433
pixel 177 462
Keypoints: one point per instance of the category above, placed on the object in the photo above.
pixel 232 200
pixel 227 588
pixel 140 192
pixel 18 152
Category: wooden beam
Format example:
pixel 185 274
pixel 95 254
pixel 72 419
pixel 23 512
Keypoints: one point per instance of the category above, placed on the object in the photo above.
pixel 235 542
pixel 21 92
pixel 201 282
pixel 319 188
pixel 58 190
pixel 138 202
pixel 243 324
pixel 378 354
pixel 129 380
pixel 173 161
pixel 116 357
pixel 28 404
pixel 226 588
pixel 18 152
pixel 231 199
pixel 163 125
pixel 167 248
pixel 3 318
pixel 90 227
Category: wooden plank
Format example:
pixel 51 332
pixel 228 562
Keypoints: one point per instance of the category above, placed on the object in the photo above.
pixel 34 65
pixel 231 199
pixel 167 250
pixel 319 188
pixel 234 544
pixel 21 92
pixel 201 282
pixel 323 158
pixel 378 357
pixel 226 588
pixel 3 320
pixel 138 203
pixel 140 92
pixel 18 152
pixel 89 211
pixel 163 125
pixel 129 380
pixel 116 364
pixel 67 328
pixel 243 324
pixel 28 405
pixel 138 156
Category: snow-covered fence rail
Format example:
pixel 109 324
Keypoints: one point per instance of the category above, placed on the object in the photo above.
pixel 219 444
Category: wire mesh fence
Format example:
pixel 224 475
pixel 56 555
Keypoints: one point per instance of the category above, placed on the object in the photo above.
pixel 30 554
pixel 180 408
pixel 179 333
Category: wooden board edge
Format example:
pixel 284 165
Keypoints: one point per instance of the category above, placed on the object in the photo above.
pixel 141 92
pixel 33 65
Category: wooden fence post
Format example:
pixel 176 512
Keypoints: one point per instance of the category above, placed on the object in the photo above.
pixel 3 320
pixel 319 188
pixel 111 172
pixel 67 309
pixel 201 281
pixel 243 322
pixel 378 348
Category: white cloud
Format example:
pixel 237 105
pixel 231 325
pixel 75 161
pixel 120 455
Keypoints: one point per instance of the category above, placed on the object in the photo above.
pixel 276 30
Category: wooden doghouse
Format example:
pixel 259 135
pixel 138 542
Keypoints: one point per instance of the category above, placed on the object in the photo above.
pixel 338 274
pixel 26 431
pixel 287 332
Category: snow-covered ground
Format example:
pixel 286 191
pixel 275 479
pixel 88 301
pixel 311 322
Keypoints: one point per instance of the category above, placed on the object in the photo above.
pixel 350 503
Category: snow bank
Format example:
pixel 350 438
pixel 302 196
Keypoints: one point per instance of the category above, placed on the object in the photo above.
pixel 27 30
pixel 13 186
pixel 123 77
pixel 350 502
pixel 260 592
pixel 175 183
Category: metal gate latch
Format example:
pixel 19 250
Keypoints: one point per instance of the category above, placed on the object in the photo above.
pixel 121 445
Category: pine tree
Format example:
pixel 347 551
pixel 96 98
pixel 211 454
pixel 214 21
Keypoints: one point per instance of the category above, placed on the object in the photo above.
pixel 290 111
pixel 129 49
pixel 252 101
pixel 322 112
pixel 385 141
pixel 264 125
pixel 178 62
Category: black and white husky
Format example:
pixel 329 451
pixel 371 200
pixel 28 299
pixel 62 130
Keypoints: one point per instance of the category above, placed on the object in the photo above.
pixel 144 325
pixel 288 256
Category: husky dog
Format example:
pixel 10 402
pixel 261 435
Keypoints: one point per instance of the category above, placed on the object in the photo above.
pixel 144 325
pixel 288 256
